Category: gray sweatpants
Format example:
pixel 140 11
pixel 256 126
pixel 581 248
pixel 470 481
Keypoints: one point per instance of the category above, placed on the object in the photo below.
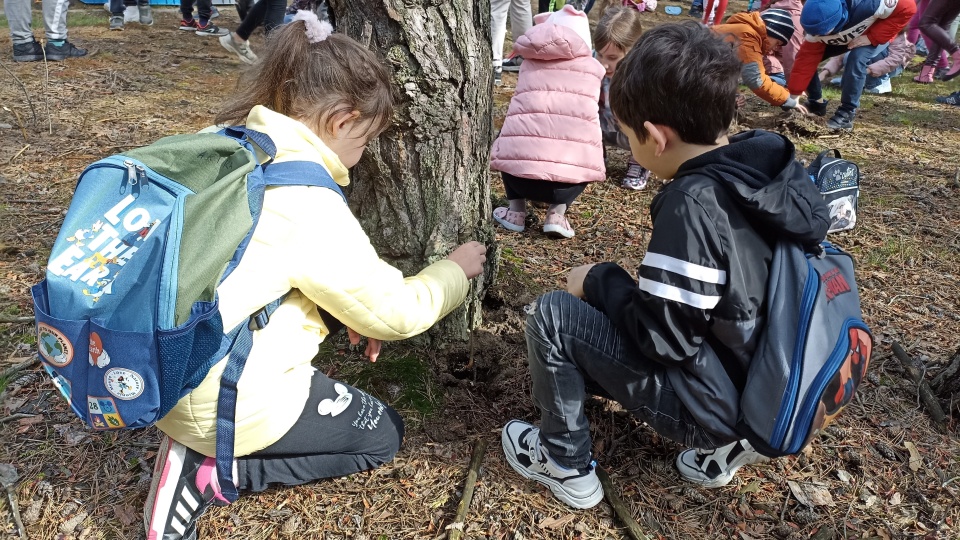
pixel 521 19
pixel 19 19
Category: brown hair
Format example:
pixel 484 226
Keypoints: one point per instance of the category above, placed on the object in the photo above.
pixel 620 26
pixel 312 82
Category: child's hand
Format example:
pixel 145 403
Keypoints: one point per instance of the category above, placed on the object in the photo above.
pixel 373 345
pixel 859 41
pixel 824 75
pixel 575 279
pixel 873 72
pixel 470 257
pixel 741 100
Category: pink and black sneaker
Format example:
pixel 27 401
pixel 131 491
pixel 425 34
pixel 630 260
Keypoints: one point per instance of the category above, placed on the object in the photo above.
pixel 184 485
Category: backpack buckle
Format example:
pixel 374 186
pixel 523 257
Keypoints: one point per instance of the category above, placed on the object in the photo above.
pixel 259 320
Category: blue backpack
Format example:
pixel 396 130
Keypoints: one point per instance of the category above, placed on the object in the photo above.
pixel 813 353
pixel 127 317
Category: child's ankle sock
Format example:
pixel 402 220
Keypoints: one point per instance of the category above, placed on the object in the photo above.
pixel 558 209
pixel 518 205
pixel 57 42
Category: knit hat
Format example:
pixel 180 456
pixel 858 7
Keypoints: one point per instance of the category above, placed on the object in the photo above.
pixel 823 17
pixel 570 17
pixel 779 24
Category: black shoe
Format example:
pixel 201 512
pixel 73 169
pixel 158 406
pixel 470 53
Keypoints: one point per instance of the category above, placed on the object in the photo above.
pixel 696 11
pixel 31 51
pixel 952 99
pixel 64 51
pixel 818 108
pixel 842 120
pixel 513 64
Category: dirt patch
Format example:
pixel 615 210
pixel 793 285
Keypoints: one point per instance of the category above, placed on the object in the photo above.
pixel 886 473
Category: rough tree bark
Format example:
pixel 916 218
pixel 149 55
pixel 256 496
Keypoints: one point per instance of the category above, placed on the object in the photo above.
pixel 423 188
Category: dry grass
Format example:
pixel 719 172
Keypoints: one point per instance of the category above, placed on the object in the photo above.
pixel 79 485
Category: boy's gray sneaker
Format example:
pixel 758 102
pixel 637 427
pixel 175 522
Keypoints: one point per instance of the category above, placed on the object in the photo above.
pixel 146 16
pixel 521 446
pixel 63 51
pixel 116 22
pixel 715 468
pixel 211 30
pixel 241 49
pixel 30 51
pixel 513 64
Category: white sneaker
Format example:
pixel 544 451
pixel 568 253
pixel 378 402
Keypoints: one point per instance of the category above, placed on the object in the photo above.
pixel 715 468
pixel 521 446
pixel 242 49
pixel 883 88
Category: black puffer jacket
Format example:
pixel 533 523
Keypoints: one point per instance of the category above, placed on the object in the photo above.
pixel 698 309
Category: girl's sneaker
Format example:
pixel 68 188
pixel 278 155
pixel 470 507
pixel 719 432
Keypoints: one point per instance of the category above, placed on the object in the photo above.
pixel 715 468
pixel 510 220
pixel 241 49
pixel 636 178
pixel 557 226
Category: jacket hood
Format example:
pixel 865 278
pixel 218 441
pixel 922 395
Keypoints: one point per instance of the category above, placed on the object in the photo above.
pixel 551 42
pixel 752 20
pixel 759 170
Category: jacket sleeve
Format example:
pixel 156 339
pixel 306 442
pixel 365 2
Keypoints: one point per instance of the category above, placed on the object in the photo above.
pixel 805 66
pixel 332 262
pixel 884 30
pixel 666 313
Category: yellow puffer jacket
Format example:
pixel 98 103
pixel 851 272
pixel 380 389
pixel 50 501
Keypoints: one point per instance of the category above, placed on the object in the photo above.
pixel 308 243
pixel 751 32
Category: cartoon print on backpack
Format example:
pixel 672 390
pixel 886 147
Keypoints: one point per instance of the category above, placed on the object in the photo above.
pixel 54 345
pixel 839 391
pixel 103 413
pixel 123 383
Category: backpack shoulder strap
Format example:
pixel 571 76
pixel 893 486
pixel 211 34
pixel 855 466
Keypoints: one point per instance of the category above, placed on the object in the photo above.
pixel 300 173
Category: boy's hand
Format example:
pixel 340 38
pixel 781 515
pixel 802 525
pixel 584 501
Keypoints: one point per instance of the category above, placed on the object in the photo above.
pixel 824 75
pixel 373 345
pixel 859 41
pixel 793 102
pixel 871 71
pixel 575 279
pixel 470 257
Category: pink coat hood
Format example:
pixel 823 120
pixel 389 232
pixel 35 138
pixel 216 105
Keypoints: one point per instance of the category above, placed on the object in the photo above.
pixel 552 128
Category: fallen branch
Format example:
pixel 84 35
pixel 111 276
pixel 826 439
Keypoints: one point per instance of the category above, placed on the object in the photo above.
pixel 927 397
pixel 8 479
pixel 26 364
pixel 947 373
pixel 25 93
pixel 456 528
pixel 15 156
pixel 17 416
pixel 620 509
pixel 15 319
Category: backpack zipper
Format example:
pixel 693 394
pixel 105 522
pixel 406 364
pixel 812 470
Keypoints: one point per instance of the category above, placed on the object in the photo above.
pixel 812 402
pixel 789 403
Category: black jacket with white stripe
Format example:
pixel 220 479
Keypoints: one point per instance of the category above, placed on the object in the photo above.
pixel 698 309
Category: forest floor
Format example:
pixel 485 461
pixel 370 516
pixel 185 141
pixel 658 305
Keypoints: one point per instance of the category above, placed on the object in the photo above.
pixel 882 471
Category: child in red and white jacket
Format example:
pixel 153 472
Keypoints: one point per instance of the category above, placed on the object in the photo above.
pixel 861 28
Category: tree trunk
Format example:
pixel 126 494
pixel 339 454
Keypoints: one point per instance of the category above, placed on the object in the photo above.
pixel 423 188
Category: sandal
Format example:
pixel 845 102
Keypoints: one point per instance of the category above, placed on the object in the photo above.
pixel 557 226
pixel 510 220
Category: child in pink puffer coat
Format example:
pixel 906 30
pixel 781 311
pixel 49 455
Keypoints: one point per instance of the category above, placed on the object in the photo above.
pixel 550 145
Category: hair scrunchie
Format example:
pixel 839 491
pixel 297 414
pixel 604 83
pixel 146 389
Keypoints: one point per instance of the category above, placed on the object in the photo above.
pixel 317 30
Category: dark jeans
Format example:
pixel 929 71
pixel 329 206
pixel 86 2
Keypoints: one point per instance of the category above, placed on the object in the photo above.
pixel 204 8
pixel 540 190
pixel 573 349
pixel 341 431
pixel 854 74
pixel 934 23
pixel 117 7
pixel 269 13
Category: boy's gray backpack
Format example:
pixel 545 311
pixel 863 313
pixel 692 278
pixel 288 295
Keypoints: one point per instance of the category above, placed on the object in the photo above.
pixel 813 353
pixel 838 180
